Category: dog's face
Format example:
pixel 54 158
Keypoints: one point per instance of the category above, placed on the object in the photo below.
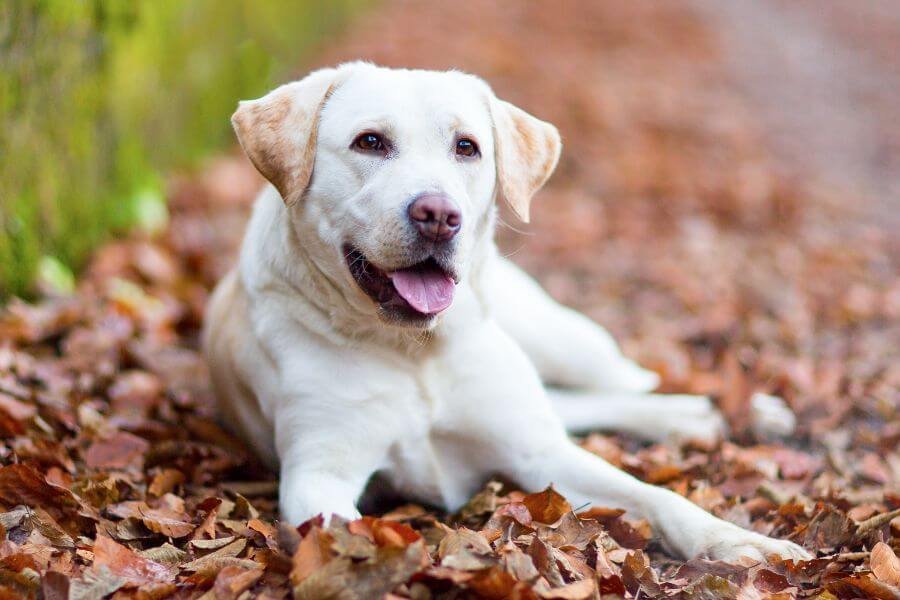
pixel 390 175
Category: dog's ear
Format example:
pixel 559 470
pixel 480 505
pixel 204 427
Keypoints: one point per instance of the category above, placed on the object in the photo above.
pixel 278 131
pixel 526 152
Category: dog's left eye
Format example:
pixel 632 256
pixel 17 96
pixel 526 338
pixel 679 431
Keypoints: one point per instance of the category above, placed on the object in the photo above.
pixel 466 147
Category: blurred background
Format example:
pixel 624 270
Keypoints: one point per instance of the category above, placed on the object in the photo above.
pixel 100 100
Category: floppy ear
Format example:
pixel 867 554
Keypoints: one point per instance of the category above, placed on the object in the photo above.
pixel 526 152
pixel 278 131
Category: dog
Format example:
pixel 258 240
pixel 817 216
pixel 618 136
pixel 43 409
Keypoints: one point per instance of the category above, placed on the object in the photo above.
pixel 372 326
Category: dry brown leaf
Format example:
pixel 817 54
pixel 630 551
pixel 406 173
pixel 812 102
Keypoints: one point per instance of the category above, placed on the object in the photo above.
pixel 547 506
pixel 217 559
pixel 165 481
pixel 95 583
pixel 162 520
pixel 577 590
pixel 885 564
pixel 629 534
pixel 518 564
pixel 342 578
pixel 492 583
pixel 21 484
pixel 14 415
pixel 267 530
pixel 167 554
pixel 124 563
pixel 638 576
pixel 55 586
pixel 232 581
pixel 121 450
pixel 384 532
pixel 545 561
pixel 212 544
pixel 312 553
pixel 862 586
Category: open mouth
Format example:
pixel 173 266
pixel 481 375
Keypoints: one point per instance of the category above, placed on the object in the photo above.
pixel 419 291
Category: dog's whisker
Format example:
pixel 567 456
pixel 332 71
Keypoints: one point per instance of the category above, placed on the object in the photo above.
pixel 514 252
pixel 503 223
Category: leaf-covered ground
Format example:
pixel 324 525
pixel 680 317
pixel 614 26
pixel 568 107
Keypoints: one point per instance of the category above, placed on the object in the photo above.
pixel 670 221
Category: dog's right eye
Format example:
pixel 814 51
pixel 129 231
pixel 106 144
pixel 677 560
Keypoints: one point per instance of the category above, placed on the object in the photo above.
pixel 370 142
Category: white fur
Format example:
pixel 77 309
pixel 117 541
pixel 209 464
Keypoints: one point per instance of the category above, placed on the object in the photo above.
pixel 307 372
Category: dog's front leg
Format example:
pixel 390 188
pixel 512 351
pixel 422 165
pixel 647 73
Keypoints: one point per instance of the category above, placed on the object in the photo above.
pixel 324 468
pixel 568 349
pixel 337 415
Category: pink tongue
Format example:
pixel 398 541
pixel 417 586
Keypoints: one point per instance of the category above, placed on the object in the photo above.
pixel 429 291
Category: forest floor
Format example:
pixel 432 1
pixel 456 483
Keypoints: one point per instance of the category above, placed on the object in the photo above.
pixel 683 216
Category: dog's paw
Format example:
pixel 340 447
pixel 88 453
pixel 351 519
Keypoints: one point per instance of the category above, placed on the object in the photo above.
pixel 692 418
pixel 624 375
pixel 772 417
pixel 731 544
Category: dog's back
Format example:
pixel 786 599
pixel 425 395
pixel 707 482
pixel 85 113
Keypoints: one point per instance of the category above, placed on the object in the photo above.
pixel 224 340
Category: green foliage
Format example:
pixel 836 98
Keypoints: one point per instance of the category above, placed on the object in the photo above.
pixel 99 98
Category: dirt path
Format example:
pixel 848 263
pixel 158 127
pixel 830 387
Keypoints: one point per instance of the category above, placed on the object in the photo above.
pixel 721 255
pixel 826 83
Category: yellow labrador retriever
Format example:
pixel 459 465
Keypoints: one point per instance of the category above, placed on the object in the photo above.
pixel 371 325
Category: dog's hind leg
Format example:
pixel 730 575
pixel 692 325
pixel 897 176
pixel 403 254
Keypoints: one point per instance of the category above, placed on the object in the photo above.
pixel 600 387
pixel 567 348
pixel 651 417
pixel 660 417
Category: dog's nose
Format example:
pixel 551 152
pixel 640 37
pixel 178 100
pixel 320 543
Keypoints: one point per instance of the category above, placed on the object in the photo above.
pixel 436 216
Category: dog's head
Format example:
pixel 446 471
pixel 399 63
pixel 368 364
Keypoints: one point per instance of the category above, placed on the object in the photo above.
pixel 389 176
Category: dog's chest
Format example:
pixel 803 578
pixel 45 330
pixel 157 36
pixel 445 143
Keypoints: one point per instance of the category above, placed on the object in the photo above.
pixel 430 459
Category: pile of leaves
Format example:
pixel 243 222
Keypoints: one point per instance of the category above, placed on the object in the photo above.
pixel 669 221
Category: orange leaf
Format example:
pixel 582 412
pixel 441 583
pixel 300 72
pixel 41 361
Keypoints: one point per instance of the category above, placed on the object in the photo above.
pixel 885 564
pixel 123 562
pixel 311 555
pixel 21 484
pixel 492 583
pixel 393 533
pixel 233 580
pixel 165 481
pixel 547 506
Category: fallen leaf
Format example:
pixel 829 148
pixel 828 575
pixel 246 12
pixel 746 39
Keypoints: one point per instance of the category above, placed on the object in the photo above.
pixel 21 484
pixel 121 450
pixel 370 579
pixel 217 559
pixel 312 553
pixel 162 520
pixel 165 481
pixel 232 581
pixel 124 563
pixel 639 577
pixel 885 564
pixel 577 590
pixel 492 583
pixel 547 506
pixel 94 584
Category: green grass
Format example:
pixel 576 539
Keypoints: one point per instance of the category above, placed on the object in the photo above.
pixel 99 99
